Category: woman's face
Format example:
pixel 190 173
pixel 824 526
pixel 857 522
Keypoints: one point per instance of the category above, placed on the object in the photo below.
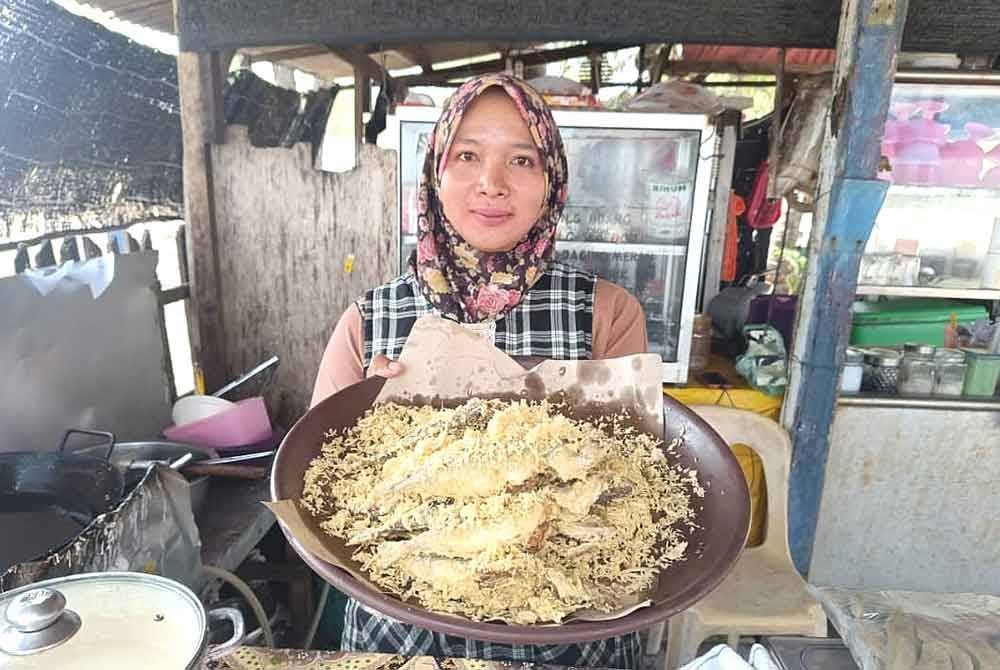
pixel 493 184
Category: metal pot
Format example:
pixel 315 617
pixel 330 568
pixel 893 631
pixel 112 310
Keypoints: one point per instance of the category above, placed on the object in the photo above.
pixel 109 621
pixel 126 454
pixel 48 498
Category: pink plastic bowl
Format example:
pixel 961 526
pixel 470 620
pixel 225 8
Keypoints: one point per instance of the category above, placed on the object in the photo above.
pixel 246 423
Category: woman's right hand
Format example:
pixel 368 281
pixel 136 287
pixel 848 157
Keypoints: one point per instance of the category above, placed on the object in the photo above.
pixel 382 366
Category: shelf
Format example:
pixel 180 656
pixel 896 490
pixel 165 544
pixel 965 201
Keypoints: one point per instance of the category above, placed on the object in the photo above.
pixel 931 292
pixel 939 192
pixel 622 248
pixel 963 403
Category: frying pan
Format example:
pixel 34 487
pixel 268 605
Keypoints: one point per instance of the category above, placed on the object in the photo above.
pixel 48 498
pixel 722 522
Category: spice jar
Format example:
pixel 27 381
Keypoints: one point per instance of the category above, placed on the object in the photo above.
pixel 850 377
pixel 881 373
pixel 949 372
pixel 916 373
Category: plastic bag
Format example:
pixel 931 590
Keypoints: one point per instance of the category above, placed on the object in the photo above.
pixel 802 141
pixel 683 98
pixel 904 630
pixel 764 365
pixel 563 92
pixel 722 657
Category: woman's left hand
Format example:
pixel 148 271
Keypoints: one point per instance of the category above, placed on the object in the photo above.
pixel 382 366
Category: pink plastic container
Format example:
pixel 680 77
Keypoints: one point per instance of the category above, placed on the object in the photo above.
pixel 246 423
pixel 961 164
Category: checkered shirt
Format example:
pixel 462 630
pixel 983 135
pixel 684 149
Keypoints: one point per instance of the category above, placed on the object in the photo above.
pixel 366 630
pixel 553 321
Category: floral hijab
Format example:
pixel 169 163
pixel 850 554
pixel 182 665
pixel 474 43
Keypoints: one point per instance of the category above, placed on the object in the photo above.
pixel 461 282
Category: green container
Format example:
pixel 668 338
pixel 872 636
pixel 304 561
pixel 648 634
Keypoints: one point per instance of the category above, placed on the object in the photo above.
pixel 982 374
pixel 891 323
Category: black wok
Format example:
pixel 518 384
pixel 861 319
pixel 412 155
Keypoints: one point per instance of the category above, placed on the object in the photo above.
pixel 48 498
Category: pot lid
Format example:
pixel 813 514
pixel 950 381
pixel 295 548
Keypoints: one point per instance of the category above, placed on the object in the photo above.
pixel 854 356
pixel 950 355
pixel 886 358
pixel 914 350
pixel 101 620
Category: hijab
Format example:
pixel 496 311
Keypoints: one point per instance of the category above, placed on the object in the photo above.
pixel 461 282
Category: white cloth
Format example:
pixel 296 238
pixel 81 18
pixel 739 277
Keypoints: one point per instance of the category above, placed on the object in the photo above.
pixel 96 274
pixel 722 657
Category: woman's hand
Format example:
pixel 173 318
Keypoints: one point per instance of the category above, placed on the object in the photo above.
pixel 383 367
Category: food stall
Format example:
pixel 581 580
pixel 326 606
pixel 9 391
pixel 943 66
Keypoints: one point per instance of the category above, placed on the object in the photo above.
pixel 869 38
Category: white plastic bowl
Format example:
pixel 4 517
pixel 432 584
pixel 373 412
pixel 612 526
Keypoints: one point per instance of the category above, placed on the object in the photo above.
pixel 197 407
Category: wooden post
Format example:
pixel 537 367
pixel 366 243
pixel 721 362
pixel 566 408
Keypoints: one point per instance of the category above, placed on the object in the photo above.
pixel 196 73
pixel 362 94
pixel 848 200
pixel 595 72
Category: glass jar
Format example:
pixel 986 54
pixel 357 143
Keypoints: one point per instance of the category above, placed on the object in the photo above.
pixel 881 373
pixel 701 343
pixel 916 373
pixel 982 374
pixel 949 372
pixel 854 366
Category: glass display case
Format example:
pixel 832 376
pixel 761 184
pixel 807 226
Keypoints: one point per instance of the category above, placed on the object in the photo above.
pixel 938 233
pixel 639 187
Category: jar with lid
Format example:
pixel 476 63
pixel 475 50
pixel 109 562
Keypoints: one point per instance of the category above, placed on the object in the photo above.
pixel 916 373
pixel 850 377
pixel 881 373
pixel 949 372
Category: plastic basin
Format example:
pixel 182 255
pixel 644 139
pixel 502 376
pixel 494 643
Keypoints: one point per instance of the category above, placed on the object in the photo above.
pixel 245 423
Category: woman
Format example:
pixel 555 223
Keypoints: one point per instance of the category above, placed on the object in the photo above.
pixel 492 191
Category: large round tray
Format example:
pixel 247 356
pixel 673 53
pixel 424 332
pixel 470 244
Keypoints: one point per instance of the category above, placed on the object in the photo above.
pixel 722 522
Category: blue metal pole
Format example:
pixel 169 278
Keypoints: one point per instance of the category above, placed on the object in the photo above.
pixel 848 201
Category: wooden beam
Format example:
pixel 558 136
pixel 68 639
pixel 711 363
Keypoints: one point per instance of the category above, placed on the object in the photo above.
pixel 207 328
pixel 362 97
pixel 175 294
pixel 417 55
pixel 292 53
pixel 595 72
pixel 681 68
pixel 218 67
pixel 849 197
pixel 360 59
pixel 442 76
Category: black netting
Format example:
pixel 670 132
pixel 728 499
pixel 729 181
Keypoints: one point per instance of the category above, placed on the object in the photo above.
pixel 90 133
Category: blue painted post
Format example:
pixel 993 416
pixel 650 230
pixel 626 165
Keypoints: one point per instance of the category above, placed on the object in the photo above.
pixel 849 198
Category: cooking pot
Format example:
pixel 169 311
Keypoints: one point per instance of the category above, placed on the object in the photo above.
pixel 127 454
pixel 109 621
pixel 48 498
